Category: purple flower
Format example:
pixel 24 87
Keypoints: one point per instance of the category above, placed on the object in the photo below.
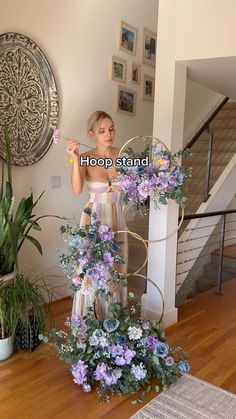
pixel 56 136
pixel 151 342
pixel 120 360
pixel 100 371
pixel 144 189
pixel 105 233
pixel 79 371
pixel 129 355
pixel 108 259
pixel 110 378
pixel 116 350
pixel 146 325
pixel 169 361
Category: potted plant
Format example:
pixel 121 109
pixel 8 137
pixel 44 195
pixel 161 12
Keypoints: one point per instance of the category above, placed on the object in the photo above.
pixel 24 313
pixel 15 224
pixel 6 340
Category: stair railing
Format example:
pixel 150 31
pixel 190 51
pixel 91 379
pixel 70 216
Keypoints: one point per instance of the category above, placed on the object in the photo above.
pixel 205 127
pixel 222 224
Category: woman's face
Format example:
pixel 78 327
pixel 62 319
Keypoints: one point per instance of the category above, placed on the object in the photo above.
pixel 105 135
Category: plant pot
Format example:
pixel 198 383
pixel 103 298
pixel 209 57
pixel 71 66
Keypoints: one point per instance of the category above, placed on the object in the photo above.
pixel 26 336
pixel 6 348
pixel 8 277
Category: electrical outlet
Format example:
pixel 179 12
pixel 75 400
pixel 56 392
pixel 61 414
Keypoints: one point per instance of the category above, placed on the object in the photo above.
pixel 55 182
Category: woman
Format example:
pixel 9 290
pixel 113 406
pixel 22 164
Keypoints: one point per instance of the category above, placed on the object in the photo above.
pixel 105 197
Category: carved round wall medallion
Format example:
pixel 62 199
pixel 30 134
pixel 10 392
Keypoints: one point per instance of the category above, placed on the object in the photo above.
pixel 28 99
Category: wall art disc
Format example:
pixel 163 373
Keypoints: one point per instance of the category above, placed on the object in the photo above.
pixel 28 99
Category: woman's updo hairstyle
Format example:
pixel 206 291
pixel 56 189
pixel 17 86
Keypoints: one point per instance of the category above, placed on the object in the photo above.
pixel 95 120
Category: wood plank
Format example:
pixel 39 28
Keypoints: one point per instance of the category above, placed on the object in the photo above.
pixel 39 386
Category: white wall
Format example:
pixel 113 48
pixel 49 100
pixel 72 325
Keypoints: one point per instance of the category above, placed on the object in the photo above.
pixel 199 105
pixel 204 28
pixel 78 37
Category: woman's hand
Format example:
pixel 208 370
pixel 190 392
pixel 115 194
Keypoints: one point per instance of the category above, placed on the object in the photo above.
pixel 72 148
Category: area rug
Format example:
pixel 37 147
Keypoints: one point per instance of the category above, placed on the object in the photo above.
pixel 190 398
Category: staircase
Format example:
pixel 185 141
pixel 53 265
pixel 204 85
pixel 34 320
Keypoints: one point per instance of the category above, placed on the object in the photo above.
pixel 210 271
pixel 223 127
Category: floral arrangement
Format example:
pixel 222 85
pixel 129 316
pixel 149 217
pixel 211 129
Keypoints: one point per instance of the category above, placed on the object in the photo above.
pixel 163 178
pixel 91 255
pixel 120 354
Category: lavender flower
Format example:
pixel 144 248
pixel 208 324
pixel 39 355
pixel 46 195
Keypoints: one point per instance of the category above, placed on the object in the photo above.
pixel 100 371
pixel 120 360
pixel 105 233
pixel 151 342
pixel 129 354
pixel 56 136
pixel 169 361
pixel 79 371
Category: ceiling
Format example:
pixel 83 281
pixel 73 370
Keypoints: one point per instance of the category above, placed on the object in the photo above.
pixel 218 74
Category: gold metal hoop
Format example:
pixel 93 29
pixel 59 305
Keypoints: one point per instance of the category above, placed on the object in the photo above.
pixel 157 288
pixel 138 237
pixel 150 137
pixel 154 240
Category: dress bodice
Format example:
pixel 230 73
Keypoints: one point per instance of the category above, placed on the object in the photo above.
pixel 104 191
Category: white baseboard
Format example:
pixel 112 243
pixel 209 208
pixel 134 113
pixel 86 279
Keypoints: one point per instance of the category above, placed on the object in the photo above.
pixel 170 317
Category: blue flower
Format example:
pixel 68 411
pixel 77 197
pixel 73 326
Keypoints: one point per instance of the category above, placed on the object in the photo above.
pixel 140 169
pixel 184 367
pixel 115 247
pixel 161 350
pixel 111 325
pixel 179 177
pixel 122 339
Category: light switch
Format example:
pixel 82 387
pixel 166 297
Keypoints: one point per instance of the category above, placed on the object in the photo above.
pixel 55 182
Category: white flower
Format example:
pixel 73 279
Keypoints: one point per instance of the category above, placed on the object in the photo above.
pixel 86 289
pixel 134 333
pixel 93 341
pixel 103 342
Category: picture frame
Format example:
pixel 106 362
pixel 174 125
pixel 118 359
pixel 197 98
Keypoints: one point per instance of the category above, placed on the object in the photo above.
pixel 148 88
pixel 149 47
pixel 135 75
pixel 118 69
pixel 126 100
pixel 127 38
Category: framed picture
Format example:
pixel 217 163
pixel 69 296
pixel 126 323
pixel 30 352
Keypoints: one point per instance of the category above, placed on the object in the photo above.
pixel 149 47
pixel 127 38
pixel 135 73
pixel 148 88
pixel 118 69
pixel 126 101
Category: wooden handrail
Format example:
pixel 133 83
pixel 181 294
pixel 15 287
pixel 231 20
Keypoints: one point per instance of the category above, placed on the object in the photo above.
pixel 206 123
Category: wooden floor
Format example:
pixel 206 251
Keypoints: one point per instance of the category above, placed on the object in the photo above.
pixel 229 251
pixel 39 385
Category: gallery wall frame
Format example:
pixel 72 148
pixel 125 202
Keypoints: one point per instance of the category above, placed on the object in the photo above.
pixel 148 85
pixel 126 100
pixel 118 69
pixel 127 38
pixel 149 47
pixel 135 74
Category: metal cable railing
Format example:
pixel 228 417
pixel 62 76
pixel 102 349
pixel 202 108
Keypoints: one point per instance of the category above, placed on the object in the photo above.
pixel 195 253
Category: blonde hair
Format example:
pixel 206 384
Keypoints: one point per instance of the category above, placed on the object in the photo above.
pixel 95 120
